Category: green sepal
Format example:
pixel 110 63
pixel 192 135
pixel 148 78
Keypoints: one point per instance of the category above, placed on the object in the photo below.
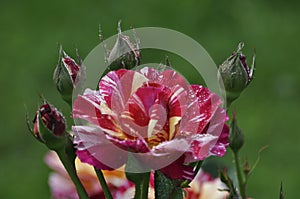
pixel 63 82
pixel 31 130
pixel 233 194
pixel 52 141
pixel 69 148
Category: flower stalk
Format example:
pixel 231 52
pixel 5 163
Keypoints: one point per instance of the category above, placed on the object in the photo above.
pixel 70 168
pixel 141 189
pixel 103 183
pixel 240 175
pixel 236 142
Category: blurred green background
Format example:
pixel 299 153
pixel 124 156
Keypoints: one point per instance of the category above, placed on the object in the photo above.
pixel 268 111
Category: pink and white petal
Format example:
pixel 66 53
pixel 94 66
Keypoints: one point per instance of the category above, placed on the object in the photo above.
pixel 146 111
pixel 172 78
pixel 152 104
pixel 202 106
pixel 124 192
pixel 94 148
pixel 219 148
pixel 62 187
pixel 178 101
pixel 117 86
pixel 168 78
pixel 53 161
pixel 219 128
pixel 179 145
pixel 140 103
pixel 87 106
pixel 147 107
pixel 135 146
pixel 86 157
pixel 175 83
pixel 190 121
pixel 205 186
pixel 109 84
pixel 201 145
pixel 90 107
pixel 163 155
pixel 224 137
pixel 151 74
pixel 217 122
pixel 208 104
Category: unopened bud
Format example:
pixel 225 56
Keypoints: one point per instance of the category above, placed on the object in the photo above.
pixel 124 54
pixel 236 138
pixel 66 75
pixel 49 126
pixel 236 74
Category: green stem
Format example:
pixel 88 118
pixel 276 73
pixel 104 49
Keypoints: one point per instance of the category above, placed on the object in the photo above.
pixel 240 175
pixel 141 189
pixel 198 167
pixel 70 167
pixel 103 184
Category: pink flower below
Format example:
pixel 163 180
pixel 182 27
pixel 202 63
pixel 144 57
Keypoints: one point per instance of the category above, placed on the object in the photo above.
pixel 61 186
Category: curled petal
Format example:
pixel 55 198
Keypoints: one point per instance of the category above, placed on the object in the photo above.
pixel 200 147
pixel 219 128
pixel 219 148
pixel 94 148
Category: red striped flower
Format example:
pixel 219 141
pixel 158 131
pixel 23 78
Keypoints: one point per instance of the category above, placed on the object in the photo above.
pixel 156 116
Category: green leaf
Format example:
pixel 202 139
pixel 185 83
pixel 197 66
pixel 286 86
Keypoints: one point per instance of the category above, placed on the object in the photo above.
pixel 166 188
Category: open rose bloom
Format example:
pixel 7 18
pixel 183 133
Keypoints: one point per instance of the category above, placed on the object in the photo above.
pixel 150 117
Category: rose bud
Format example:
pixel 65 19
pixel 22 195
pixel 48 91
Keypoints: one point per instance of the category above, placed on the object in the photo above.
pixel 236 138
pixel 246 168
pixel 235 74
pixel 66 75
pixel 124 54
pixel 49 126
